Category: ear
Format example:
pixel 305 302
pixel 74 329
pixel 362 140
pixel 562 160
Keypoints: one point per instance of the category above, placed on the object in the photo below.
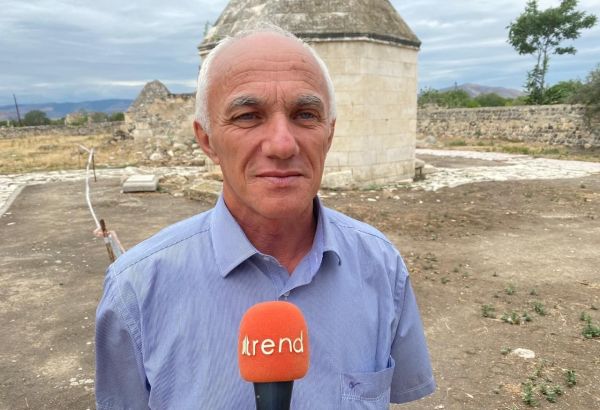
pixel 204 142
pixel 330 136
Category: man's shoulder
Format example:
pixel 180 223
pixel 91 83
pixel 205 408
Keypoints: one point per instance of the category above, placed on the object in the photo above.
pixel 353 227
pixel 175 235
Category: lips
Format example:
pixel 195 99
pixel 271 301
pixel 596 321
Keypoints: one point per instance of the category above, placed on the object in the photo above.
pixel 280 178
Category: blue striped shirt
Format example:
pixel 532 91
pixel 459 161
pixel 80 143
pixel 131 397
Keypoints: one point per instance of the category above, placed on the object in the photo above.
pixel 167 324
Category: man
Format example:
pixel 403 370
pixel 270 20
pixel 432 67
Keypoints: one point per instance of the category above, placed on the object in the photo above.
pixel 167 325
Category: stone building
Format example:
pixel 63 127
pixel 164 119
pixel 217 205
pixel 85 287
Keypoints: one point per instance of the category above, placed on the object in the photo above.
pixel 372 57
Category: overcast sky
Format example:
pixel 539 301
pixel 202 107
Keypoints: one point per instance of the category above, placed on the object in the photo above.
pixel 75 50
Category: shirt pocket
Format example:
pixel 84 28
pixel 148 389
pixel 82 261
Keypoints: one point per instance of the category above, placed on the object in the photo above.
pixel 367 391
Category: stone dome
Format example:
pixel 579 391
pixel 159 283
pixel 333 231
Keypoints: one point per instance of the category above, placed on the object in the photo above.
pixel 316 21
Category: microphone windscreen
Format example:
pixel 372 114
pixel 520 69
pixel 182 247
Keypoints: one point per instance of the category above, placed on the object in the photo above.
pixel 273 343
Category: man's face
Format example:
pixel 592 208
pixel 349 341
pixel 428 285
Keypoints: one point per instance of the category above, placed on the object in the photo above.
pixel 270 129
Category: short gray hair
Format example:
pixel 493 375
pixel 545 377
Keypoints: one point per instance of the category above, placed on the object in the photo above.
pixel 204 76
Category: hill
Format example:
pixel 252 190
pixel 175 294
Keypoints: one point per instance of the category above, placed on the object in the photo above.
pixel 476 89
pixel 59 110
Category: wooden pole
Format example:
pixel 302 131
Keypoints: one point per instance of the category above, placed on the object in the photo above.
pixel 111 254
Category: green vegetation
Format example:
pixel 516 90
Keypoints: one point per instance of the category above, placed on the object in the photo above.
pixel 35 117
pixel 540 33
pixel 589 94
pixel 590 330
pixel 571 378
pixel 539 308
pixel 488 311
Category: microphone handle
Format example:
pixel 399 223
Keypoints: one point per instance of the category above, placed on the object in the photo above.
pixel 273 395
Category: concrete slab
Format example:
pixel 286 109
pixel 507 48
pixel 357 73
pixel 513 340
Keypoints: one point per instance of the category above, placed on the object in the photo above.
pixel 141 183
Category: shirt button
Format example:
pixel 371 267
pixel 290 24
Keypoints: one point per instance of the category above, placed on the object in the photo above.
pixel 286 294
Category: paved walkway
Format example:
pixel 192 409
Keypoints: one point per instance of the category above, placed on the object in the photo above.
pixel 11 184
pixel 515 167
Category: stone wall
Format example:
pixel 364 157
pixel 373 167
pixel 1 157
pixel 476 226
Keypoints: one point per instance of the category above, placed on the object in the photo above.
pixel 551 124
pixel 61 130
pixel 376 90
pixel 156 113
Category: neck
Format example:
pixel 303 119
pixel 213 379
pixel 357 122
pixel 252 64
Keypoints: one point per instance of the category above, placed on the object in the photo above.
pixel 287 239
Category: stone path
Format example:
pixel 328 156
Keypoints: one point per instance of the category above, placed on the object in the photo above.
pixel 11 184
pixel 515 167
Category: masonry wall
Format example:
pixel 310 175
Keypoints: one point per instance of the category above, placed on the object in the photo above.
pixel 170 115
pixel 551 124
pixel 61 130
pixel 376 89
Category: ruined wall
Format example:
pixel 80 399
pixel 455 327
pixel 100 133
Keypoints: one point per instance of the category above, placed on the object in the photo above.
pixel 61 130
pixel 156 113
pixel 549 124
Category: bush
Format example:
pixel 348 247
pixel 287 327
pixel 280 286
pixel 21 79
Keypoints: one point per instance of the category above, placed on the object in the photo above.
pixel 491 100
pixel 117 116
pixel 562 92
pixel 589 94
pixel 35 117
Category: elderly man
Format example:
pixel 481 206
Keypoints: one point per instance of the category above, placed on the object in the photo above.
pixel 167 324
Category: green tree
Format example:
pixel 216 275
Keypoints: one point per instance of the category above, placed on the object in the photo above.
pixel 541 33
pixel 117 116
pixel 98 117
pixel 562 92
pixel 35 117
pixel 589 94
pixel 490 100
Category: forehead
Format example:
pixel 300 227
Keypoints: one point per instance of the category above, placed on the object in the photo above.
pixel 260 62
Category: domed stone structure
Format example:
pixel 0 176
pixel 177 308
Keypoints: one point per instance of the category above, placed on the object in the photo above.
pixel 372 57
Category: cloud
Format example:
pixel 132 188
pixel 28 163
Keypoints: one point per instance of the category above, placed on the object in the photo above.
pixel 59 50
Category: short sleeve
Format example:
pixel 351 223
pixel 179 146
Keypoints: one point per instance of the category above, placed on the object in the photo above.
pixel 120 376
pixel 413 376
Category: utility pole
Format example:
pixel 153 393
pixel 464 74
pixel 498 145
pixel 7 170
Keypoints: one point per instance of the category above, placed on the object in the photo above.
pixel 17 107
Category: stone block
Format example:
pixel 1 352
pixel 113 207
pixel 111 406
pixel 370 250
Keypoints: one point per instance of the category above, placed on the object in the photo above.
pixel 204 190
pixel 337 180
pixel 141 183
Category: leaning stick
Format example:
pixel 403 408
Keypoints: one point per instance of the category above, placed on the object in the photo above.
pixel 111 254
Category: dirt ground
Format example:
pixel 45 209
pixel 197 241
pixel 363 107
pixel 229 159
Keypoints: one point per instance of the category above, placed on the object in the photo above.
pixel 515 247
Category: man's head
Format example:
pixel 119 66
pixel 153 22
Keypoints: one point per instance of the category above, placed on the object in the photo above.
pixel 266 115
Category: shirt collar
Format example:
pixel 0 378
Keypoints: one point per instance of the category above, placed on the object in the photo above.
pixel 231 246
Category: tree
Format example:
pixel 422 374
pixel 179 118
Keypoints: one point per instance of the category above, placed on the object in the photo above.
pixel 117 116
pixel 562 92
pixel 35 117
pixel 540 33
pixel 490 100
pixel 589 94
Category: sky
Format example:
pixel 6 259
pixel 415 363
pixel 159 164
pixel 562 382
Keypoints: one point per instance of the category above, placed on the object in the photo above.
pixel 77 50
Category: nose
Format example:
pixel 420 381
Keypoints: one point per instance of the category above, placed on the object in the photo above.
pixel 280 142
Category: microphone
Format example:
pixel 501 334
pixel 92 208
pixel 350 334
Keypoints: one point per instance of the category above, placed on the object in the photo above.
pixel 273 352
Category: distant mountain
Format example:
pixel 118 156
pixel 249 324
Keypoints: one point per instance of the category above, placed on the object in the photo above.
pixel 58 110
pixel 475 89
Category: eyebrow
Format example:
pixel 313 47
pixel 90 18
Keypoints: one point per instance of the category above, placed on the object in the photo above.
pixel 310 101
pixel 242 101
pixel 304 100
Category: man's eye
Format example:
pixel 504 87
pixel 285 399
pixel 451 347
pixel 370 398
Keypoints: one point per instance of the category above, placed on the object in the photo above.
pixel 306 115
pixel 248 116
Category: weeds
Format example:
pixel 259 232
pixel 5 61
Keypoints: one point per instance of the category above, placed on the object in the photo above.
pixel 510 289
pixel 551 392
pixel 488 311
pixel 528 394
pixel 539 308
pixel 513 318
pixel 457 143
pixel 571 378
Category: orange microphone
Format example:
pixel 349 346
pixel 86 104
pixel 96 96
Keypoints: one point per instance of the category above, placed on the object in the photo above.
pixel 273 351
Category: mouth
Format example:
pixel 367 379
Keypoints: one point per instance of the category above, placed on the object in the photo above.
pixel 280 178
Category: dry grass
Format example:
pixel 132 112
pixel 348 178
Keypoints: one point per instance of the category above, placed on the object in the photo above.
pixel 20 155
